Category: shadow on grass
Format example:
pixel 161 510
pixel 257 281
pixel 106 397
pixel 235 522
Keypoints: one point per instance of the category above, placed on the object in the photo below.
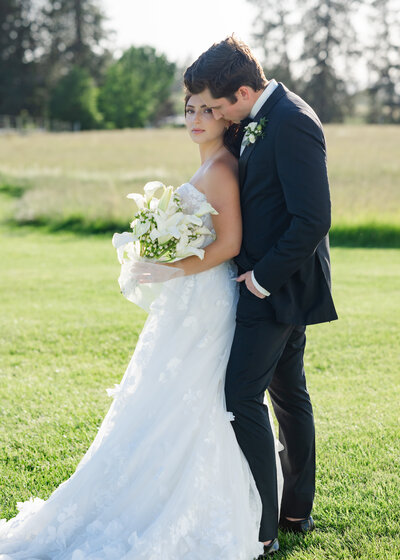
pixel 78 225
pixel 385 236
pixel 369 234
pixel 14 191
pixel 376 235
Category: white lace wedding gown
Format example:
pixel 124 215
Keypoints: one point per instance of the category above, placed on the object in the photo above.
pixel 164 477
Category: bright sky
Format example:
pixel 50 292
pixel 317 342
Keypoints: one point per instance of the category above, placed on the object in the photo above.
pixel 183 29
pixel 180 29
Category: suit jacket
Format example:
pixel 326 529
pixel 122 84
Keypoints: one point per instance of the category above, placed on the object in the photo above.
pixel 286 211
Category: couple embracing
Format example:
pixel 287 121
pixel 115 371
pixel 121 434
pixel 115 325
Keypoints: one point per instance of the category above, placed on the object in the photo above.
pixel 185 465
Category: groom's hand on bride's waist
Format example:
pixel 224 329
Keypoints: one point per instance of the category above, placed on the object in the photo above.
pixel 248 277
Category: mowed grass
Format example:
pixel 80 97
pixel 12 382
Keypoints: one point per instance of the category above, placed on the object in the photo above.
pixel 67 334
pixel 79 181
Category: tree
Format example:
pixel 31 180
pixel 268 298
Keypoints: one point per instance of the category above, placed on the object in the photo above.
pixel 73 34
pixel 17 66
pixel 274 31
pixel 41 41
pixel 135 87
pixel 329 37
pixel 384 64
pixel 74 100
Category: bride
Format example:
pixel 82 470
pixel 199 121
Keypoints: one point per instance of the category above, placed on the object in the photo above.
pixel 165 477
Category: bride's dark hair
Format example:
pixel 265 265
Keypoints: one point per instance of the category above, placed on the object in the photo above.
pixel 232 139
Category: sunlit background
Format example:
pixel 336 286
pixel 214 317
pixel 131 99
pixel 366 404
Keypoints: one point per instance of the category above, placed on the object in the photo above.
pixel 66 64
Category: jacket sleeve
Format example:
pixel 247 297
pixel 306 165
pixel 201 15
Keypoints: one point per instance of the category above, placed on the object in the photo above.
pixel 300 157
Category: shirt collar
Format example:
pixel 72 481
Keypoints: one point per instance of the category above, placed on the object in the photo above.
pixel 272 85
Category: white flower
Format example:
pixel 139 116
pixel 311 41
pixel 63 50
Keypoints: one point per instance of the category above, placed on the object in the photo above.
pixel 161 232
pixel 192 219
pixel 253 131
pixel 206 208
pixel 120 241
pixel 139 228
pixel 150 189
pixel 139 200
pixel 165 199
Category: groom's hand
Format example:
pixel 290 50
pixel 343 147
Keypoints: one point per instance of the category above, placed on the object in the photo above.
pixel 246 277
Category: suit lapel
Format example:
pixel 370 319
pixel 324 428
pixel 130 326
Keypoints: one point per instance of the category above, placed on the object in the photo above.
pixel 243 161
pixel 279 92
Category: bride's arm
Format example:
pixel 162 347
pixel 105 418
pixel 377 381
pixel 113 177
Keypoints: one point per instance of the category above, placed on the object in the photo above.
pixel 221 187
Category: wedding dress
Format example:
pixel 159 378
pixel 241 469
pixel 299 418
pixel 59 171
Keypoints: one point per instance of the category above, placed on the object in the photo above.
pixel 164 477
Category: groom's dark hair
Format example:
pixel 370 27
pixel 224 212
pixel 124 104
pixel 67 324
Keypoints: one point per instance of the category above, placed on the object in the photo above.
pixel 224 68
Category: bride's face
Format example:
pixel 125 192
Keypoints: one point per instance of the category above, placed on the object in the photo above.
pixel 200 122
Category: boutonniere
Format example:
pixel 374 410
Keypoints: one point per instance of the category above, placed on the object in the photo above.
pixel 254 130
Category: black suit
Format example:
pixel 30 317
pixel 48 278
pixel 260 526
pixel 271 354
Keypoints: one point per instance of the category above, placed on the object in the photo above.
pixel 286 218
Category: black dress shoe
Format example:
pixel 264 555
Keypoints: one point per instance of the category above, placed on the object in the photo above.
pixel 270 550
pixel 303 526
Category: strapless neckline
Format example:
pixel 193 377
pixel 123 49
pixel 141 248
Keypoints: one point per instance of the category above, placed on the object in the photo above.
pixel 193 187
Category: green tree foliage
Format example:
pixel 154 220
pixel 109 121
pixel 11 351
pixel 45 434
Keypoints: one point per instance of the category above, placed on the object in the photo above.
pixel 274 30
pixel 17 66
pixel 384 63
pixel 73 34
pixel 329 37
pixel 74 100
pixel 136 87
pixel 42 41
pixel 315 38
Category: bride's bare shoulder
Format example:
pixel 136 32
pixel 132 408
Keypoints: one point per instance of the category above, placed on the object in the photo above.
pixel 229 161
pixel 221 174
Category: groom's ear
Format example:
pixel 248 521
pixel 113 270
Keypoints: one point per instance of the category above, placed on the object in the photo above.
pixel 244 93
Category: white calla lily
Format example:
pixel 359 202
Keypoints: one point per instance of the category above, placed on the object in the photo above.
pixel 140 228
pixel 165 238
pixel 169 225
pixel 197 242
pixel 206 208
pixel 151 188
pixel 154 234
pixel 119 239
pixel 139 200
pixel 192 219
pixel 153 204
pixel 120 242
pixel 204 231
pixel 165 199
pixel 188 251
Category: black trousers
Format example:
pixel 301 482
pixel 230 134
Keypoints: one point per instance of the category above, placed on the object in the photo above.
pixel 269 355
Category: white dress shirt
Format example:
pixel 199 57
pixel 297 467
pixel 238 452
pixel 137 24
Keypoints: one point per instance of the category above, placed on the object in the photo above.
pixel 271 87
pixel 254 110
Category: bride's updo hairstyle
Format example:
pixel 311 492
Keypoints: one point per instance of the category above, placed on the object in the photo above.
pixel 232 138
pixel 224 68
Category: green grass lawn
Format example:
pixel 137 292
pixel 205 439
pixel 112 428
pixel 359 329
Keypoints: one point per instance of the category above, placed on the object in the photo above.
pixel 67 334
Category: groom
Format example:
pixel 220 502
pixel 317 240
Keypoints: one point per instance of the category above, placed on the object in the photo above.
pixel 284 271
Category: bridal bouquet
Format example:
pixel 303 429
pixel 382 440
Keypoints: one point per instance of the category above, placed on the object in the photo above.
pixel 161 233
